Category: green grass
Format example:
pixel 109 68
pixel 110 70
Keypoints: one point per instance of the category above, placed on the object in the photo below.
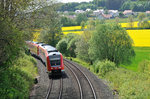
pixel 142 53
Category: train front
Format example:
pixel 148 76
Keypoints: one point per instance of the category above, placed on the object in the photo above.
pixel 56 65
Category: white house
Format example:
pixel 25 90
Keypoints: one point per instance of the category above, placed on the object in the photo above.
pixel 79 11
pixel 98 12
pixel 87 10
pixel 114 13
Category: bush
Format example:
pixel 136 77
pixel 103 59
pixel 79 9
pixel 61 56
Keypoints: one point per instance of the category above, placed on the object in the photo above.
pixel 144 66
pixel 62 46
pixel 103 67
pixel 16 81
pixel 144 24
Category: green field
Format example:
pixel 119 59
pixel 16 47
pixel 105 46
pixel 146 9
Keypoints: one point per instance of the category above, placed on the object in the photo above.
pixel 142 53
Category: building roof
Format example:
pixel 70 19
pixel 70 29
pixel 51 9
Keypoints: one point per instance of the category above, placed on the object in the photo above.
pixel 127 12
pixel 148 12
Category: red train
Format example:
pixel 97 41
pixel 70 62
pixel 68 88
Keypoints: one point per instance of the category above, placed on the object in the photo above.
pixel 50 56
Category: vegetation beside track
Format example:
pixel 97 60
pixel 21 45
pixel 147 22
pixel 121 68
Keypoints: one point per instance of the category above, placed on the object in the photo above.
pixel 130 80
pixel 17 80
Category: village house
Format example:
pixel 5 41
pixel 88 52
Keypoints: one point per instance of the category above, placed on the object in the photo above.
pixel 128 13
pixel 104 16
pixel 147 12
pixel 79 11
pixel 98 12
pixel 114 13
pixel 87 10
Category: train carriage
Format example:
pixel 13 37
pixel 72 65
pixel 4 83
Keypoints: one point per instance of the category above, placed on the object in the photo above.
pixel 51 57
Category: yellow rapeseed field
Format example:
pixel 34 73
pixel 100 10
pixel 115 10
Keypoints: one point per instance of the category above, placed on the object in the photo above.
pixel 141 38
pixel 71 28
pixel 76 32
pixel 135 24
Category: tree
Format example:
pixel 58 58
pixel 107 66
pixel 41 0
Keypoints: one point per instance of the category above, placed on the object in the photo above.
pixel 62 46
pixel 80 18
pixel 82 25
pixel 141 16
pixel 67 21
pixel 144 24
pixel 126 5
pixel 51 33
pixel 81 50
pixel 82 43
pixel 114 4
pixel 71 47
pixel 111 42
pixel 12 35
pixel 130 19
pixel 117 20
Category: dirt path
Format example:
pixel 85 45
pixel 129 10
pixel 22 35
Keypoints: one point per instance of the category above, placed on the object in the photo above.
pixel 70 85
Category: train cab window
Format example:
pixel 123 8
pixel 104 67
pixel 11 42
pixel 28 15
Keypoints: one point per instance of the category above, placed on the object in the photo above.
pixel 52 51
pixel 54 60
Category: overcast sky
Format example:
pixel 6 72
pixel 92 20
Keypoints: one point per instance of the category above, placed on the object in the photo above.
pixel 66 1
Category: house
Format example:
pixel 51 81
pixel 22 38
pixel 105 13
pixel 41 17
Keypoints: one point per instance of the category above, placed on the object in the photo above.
pixel 128 12
pixel 147 12
pixel 79 11
pixel 98 12
pixel 114 13
pixel 87 10
pixel 104 16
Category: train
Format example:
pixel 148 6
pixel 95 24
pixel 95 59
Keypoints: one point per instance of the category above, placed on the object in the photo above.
pixel 49 55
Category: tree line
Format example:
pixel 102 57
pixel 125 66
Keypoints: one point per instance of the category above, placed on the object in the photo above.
pixel 135 5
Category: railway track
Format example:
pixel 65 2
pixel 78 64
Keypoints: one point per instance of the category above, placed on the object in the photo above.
pixel 73 68
pixel 79 85
pixel 50 88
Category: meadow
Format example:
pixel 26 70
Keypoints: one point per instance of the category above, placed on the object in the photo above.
pixel 142 53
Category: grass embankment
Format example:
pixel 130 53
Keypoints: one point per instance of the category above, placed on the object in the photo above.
pixel 127 83
pixel 17 80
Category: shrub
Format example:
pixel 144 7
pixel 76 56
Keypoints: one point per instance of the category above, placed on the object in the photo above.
pixel 144 66
pixel 144 24
pixel 16 81
pixel 103 67
pixel 62 46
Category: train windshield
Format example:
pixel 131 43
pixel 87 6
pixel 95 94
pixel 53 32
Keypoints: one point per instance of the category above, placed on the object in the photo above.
pixel 52 51
pixel 54 60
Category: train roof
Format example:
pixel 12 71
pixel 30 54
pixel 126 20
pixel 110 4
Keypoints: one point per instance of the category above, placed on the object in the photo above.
pixel 49 48
pixel 54 53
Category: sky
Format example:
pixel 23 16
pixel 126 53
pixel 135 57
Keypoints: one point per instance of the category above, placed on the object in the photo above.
pixel 66 1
